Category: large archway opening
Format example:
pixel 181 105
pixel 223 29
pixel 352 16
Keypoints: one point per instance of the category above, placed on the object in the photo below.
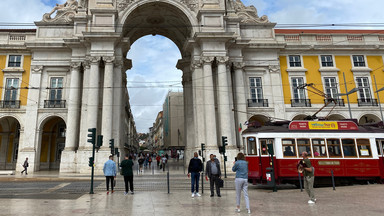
pixel 53 132
pixel 9 142
pixel 158 33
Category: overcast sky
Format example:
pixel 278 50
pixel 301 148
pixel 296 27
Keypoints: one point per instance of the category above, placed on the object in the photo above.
pixel 154 58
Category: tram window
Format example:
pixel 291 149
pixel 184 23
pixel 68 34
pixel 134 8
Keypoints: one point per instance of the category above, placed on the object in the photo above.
pixel 334 149
pixel 289 147
pixel 264 146
pixel 349 148
pixel 319 149
pixel 304 145
pixel 378 147
pixel 252 146
pixel 363 147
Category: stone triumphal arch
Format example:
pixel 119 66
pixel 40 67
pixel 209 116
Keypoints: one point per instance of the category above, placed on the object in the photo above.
pixel 88 41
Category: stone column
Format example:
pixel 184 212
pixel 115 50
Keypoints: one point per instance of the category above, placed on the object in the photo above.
pixel 225 112
pixel 107 116
pixel 71 142
pixel 240 94
pixel 277 93
pixel 198 104
pixel 209 104
pixel 93 95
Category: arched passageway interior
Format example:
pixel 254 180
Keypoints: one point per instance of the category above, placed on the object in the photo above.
pixel 9 142
pixel 369 119
pixel 299 117
pixel 257 120
pixel 52 143
pixel 335 117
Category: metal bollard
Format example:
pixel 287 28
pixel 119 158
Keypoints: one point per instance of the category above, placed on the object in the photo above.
pixel 168 180
pixel 301 185
pixel 153 170
pixel 138 169
pixel 333 180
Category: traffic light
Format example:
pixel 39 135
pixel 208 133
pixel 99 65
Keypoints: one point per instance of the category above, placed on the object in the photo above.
pixel 116 151
pixel 202 147
pixel 220 149
pixel 112 145
pixel 91 135
pixel 99 141
pixel 270 149
pixel 90 163
pixel 224 140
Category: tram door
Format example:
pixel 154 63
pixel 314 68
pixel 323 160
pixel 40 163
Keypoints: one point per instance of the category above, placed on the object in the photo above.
pixel 265 159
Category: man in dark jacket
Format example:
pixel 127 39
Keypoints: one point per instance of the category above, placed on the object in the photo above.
pixel 126 170
pixel 25 165
pixel 213 172
pixel 194 169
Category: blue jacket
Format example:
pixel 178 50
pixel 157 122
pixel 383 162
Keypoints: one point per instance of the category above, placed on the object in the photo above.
pixel 241 169
pixel 109 168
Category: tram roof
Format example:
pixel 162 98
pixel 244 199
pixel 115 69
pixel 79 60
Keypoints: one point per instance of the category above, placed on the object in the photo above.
pixel 284 129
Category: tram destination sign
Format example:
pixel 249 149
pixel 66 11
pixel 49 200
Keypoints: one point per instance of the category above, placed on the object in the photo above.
pixel 323 125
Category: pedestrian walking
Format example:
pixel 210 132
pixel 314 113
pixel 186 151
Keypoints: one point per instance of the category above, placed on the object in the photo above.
pixel 141 162
pixel 110 172
pixel 194 169
pixel 150 161
pixel 127 171
pixel 213 172
pixel 241 181
pixel 158 158
pixel 163 162
pixel 25 165
pixel 309 177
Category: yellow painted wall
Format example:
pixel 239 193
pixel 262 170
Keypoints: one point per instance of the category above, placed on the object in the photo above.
pixel 25 81
pixel 44 148
pixel 285 80
pixel 345 65
pixel 3 60
pixel 376 64
pixel 53 147
pixel 311 63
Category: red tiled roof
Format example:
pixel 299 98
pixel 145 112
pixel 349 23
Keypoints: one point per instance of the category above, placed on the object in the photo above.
pixel 327 31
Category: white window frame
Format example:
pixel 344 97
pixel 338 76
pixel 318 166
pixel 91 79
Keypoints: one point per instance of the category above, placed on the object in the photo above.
pixel 365 62
pixel 256 87
pixel 13 76
pixel 21 61
pixel 291 87
pixel 51 89
pixel 370 88
pixel 321 62
pixel 301 62
pixel 336 87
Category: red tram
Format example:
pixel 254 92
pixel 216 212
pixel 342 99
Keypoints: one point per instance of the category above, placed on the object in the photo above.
pixel 353 152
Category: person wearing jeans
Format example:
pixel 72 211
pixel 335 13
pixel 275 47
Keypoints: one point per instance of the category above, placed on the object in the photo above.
pixel 194 169
pixel 241 181
pixel 110 172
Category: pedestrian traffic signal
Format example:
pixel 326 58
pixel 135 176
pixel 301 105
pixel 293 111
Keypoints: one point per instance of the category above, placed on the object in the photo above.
pixel 224 140
pixel 202 147
pixel 99 141
pixel 91 135
pixel 112 145
pixel 221 150
pixel 90 163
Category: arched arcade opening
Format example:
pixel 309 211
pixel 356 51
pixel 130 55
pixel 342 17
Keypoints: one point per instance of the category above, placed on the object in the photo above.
pixel 9 142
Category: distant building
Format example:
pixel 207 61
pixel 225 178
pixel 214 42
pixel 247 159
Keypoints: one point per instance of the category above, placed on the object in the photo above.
pixel 158 132
pixel 173 121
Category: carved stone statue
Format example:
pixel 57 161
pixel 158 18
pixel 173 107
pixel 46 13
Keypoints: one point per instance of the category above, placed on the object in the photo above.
pixel 248 14
pixel 65 12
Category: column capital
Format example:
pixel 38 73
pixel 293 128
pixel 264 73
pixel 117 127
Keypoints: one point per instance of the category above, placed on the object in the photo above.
pixel 75 65
pixel 238 65
pixel 37 69
pixel 222 59
pixel 207 59
pixel 93 59
pixel 182 64
pixel 109 59
pixel 274 69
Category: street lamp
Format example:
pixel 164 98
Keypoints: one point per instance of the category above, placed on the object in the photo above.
pixel 378 97
pixel 346 94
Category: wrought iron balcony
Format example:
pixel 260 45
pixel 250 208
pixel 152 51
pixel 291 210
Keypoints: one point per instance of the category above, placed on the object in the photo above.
pixel 10 104
pixel 257 102
pixel 367 102
pixel 339 102
pixel 54 104
pixel 300 102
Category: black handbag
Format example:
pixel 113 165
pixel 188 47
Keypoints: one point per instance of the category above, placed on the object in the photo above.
pixel 221 182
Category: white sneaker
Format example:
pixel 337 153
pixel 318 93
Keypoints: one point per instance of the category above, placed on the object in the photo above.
pixel 311 202
pixel 125 193
pixel 249 211
pixel 193 195
pixel 197 194
pixel 237 210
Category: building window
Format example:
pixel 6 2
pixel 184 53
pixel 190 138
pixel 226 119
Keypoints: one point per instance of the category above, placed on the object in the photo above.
pixel 252 146
pixel 326 61
pixel 364 89
pixel 56 90
pixel 330 86
pixel 11 89
pixel 298 93
pixel 294 61
pixel 14 61
pixel 256 88
pixel 358 61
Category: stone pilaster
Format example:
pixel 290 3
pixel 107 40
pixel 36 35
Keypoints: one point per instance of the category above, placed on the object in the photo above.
pixel 107 101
